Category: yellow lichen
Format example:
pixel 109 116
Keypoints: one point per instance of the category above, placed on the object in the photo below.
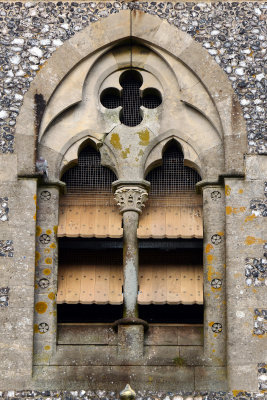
pixel 41 307
pixel 35 328
pixel 144 137
pixel 240 191
pixel 125 152
pixel 250 218
pixel 47 347
pixel 48 232
pixel 227 190
pixel 235 210
pixel 228 210
pixel 209 258
pixel 47 271
pixel 252 240
pixel 53 245
pixel 209 247
pixel 55 229
pixel 115 141
pixel 211 272
pixel 52 296
pixel 236 392
pixel 48 260
pixel 38 230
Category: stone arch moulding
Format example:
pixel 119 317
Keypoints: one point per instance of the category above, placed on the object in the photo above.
pixel 152 31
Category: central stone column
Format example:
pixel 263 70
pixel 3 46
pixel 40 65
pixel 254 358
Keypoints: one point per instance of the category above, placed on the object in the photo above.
pixel 131 198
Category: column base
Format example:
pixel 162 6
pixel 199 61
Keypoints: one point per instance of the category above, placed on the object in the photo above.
pixel 130 321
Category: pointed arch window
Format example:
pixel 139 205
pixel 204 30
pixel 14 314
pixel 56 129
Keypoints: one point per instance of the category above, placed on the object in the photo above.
pixel 170 232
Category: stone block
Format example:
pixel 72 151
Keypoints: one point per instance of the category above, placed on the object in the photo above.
pixel 256 166
pixel 85 355
pixel 192 355
pixel 210 378
pixel 190 336
pixel 243 377
pixel 162 355
pixel 114 377
pixel 130 342
pixel 161 335
pixel 83 334
pixel 8 167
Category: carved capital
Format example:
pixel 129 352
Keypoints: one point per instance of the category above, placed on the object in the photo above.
pixel 131 198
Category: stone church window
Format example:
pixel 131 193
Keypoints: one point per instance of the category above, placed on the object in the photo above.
pixel 90 285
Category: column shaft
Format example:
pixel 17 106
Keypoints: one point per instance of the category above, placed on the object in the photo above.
pixel 214 275
pixel 130 263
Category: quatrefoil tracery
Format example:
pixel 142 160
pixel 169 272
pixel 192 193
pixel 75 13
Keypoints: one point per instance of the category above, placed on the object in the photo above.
pixel 130 98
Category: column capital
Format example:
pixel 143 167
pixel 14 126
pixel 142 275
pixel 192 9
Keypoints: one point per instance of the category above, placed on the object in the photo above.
pixel 131 198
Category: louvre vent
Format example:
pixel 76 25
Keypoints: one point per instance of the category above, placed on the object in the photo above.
pixel 89 176
pixel 173 179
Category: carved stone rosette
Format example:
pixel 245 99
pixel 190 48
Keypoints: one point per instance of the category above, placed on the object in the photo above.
pixel 131 198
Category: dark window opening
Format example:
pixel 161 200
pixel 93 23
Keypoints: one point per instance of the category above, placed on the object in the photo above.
pixel 172 314
pixel 83 259
pixel 130 98
pixel 89 177
pixel 88 313
pixel 173 178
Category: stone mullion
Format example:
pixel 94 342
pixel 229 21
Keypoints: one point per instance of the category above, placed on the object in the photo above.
pixel 130 200
pixel 214 275
pixel 130 263
pixel 45 319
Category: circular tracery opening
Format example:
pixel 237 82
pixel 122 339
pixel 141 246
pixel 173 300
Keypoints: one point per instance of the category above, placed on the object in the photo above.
pixel 130 98
pixel 131 78
pixel 110 98
pixel 131 81
pixel 151 98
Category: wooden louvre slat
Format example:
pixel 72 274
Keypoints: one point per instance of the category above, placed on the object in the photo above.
pixel 162 280
pixel 87 294
pixel 155 222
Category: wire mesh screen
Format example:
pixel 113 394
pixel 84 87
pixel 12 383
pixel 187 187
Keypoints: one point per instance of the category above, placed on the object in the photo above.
pixel 130 98
pixel 131 81
pixel 173 182
pixel 89 176
pixel 151 98
pixel 110 98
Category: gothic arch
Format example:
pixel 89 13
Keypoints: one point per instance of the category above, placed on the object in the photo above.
pixel 156 34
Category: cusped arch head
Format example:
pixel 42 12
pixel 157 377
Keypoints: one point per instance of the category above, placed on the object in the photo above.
pixel 154 154
pixel 156 33
pixel 70 158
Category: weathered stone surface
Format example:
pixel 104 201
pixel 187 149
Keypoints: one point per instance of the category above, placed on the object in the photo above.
pixel 208 123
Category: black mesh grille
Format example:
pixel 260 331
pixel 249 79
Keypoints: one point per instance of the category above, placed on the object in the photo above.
pixel 110 98
pixel 131 99
pixel 89 176
pixel 173 178
pixel 151 98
